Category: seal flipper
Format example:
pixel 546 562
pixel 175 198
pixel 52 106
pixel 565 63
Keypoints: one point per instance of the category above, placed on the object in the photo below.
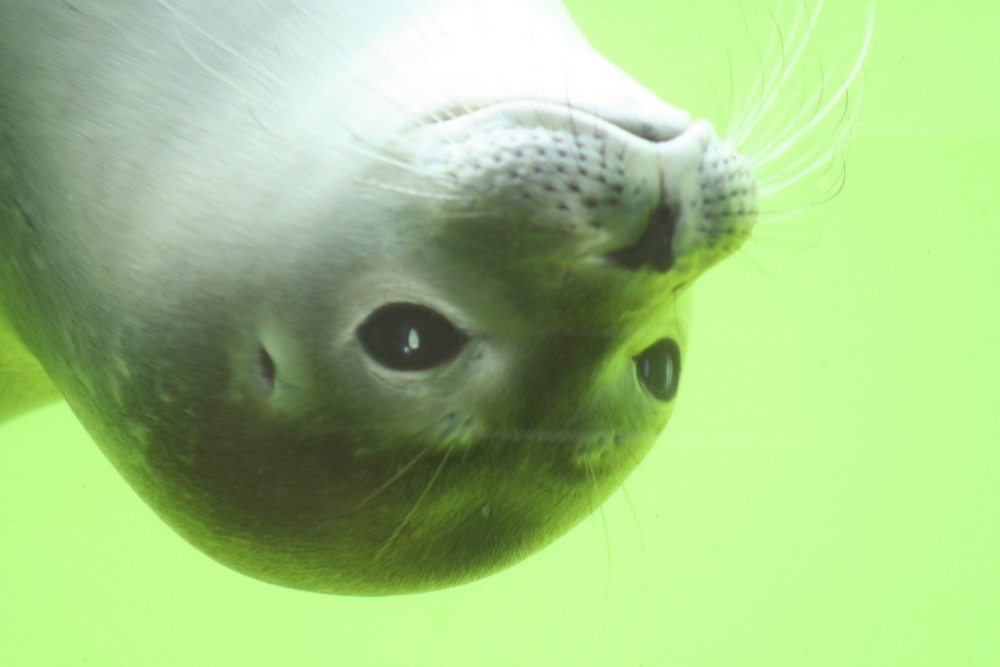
pixel 24 385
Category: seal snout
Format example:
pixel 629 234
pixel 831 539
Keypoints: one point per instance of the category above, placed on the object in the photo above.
pixel 706 208
pixel 618 193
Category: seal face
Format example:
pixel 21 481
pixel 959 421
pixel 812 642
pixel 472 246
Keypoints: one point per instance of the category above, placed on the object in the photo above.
pixel 377 346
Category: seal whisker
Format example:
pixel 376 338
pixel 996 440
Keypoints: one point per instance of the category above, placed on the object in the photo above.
pixel 383 157
pixel 363 148
pixel 466 214
pixel 603 518
pixel 759 90
pixel 263 74
pixel 354 143
pixel 815 158
pixel 779 76
pixel 399 474
pixel 765 120
pixel 370 182
pixel 773 133
pixel 840 94
pixel 205 66
pixel 787 177
pixel 791 139
pixel 416 505
pixel 831 192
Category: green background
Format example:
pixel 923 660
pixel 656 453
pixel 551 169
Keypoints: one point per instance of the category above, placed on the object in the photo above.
pixel 826 494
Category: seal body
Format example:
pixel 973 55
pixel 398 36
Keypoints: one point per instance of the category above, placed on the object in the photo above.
pixel 359 297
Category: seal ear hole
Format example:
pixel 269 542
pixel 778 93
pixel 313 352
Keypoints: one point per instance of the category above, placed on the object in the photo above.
pixel 410 337
pixel 266 370
pixel 659 369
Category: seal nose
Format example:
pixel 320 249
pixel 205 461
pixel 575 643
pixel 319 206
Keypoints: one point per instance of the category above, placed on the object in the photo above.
pixel 679 160
pixel 655 247
pixel 704 209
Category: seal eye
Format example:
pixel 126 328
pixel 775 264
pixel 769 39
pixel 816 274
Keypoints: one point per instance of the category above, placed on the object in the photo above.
pixel 408 337
pixel 659 368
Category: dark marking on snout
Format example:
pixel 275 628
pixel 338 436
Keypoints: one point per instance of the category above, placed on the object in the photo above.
pixel 654 248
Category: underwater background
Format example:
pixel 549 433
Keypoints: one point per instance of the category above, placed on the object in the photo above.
pixel 827 492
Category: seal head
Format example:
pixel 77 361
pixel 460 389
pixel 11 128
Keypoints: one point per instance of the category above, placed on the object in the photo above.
pixel 379 345
pixel 500 347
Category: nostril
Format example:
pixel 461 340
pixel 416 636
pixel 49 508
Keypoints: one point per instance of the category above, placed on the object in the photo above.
pixel 265 370
pixel 654 248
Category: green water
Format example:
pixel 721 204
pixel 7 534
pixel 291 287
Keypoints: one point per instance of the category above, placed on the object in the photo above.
pixel 826 494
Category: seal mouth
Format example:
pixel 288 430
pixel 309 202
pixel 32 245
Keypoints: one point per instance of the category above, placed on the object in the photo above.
pixel 643 128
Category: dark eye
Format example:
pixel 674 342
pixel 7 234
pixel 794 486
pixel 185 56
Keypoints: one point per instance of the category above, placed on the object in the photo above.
pixel 408 337
pixel 659 368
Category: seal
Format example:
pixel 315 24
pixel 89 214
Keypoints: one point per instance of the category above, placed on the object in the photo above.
pixel 361 298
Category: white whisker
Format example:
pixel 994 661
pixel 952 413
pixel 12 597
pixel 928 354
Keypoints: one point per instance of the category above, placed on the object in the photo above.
pixel 792 131
pixel 400 472
pixel 834 100
pixel 772 217
pixel 350 142
pixel 416 505
pixel 800 169
pixel 226 48
pixel 737 128
pixel 782 74
pixel 595 489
